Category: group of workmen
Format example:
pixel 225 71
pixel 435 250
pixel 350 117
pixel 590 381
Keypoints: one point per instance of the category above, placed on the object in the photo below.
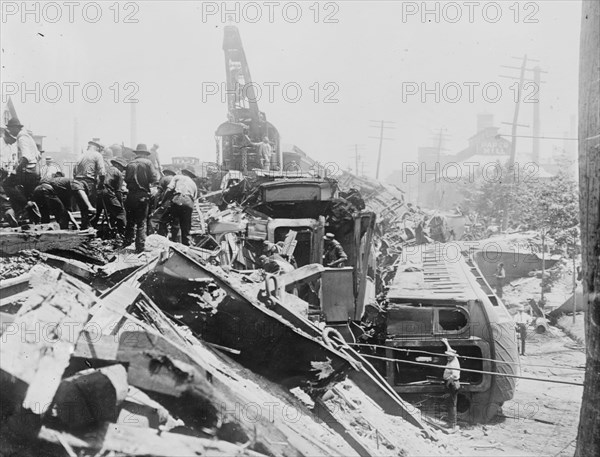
pixel 126 192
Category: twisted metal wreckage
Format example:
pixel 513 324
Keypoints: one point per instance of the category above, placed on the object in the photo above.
pixel 156 351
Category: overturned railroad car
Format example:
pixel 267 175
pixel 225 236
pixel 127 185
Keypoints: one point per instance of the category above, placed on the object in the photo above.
pixel 441 294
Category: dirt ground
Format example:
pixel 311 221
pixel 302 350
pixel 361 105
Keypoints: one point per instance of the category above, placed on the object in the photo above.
pixel 542 418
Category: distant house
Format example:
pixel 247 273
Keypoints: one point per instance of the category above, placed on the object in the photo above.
pixel 439 187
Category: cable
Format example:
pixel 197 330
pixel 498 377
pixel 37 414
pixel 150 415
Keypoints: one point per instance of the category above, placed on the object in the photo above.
pixel 466 357
pixel 506 375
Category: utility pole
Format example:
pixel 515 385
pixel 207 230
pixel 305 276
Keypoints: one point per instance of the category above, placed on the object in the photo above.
pixel 440 137
pixel 381 138
pixel 588 433
pixel 515 124
pixel 357 156
pixel 535 94
pixel 133 126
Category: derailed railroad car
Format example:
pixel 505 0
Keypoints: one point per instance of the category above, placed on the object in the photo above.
pixel 436 295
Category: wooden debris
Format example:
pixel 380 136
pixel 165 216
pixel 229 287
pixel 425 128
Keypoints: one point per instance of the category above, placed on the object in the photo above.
pixel 131 440
pixel 37 347
pixel 42 238
pixel 91 397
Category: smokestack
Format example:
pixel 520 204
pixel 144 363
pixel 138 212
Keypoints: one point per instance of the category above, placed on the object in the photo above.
pixel 484 121
pixel 133 126
pixel 75 137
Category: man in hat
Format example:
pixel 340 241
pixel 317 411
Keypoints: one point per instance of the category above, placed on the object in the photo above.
pixel 162 215
pixel 334 256
pixel 522 321
pixel 139 176
pixel 28 159
pixel 452 382
pixel 270 248
pixel 500 276
pixel 90 172
pixel 50 169
pixel 110 197
pixel 182 192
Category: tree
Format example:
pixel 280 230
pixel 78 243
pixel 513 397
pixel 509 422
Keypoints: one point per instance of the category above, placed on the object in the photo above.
pixel 588 435
pixel 549 206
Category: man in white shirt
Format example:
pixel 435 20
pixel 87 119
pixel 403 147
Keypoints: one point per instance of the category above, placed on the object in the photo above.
pixel 50 169
pixel 452 382
pixel 182 191
pixel 28 158
pixel 90 171
pixel 522 321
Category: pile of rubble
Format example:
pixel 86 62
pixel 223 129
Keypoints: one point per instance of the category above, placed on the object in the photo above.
pixel 104 359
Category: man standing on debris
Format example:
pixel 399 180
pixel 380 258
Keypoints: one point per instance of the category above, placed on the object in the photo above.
pixel 90 172
pixel 7 213
pixel 334 256
pixel 110 198
pixel 53 197
pixel 139 176
pixel 522 322
pixel 162 214
pixel 182 192
pixel 452 382
pixel 500 277
pixel 28 166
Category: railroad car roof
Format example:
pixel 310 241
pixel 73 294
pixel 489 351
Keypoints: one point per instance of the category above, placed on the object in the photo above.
pixel 433 272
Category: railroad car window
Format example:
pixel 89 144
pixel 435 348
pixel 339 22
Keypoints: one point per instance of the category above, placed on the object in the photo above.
pixel 452 319
pixel 407 321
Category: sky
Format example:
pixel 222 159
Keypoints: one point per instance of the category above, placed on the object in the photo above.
pixel 353 62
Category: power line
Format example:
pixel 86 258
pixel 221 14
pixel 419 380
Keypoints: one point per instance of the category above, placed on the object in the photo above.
pixel 506 375
pixel 381 138
pixel 464 356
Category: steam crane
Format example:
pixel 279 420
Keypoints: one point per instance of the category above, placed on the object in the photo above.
pixel 245 120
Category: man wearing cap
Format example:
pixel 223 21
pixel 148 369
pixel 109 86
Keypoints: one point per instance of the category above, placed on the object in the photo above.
pixel 139 176
pixel 162 215
pixel 90 172
pixel 28 157
pixel 452 382
pixel 182 191
pixel 334 256
pixel 110 198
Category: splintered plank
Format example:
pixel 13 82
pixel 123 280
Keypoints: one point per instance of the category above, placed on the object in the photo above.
pixel 37 345
pixel 130 440
pixel 15 240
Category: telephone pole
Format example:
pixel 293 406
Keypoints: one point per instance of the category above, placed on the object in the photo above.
pixel 382 125
pixel 357 156
pixel 535 94
pixel 440 137
pixel 133 125
pixel 515 123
